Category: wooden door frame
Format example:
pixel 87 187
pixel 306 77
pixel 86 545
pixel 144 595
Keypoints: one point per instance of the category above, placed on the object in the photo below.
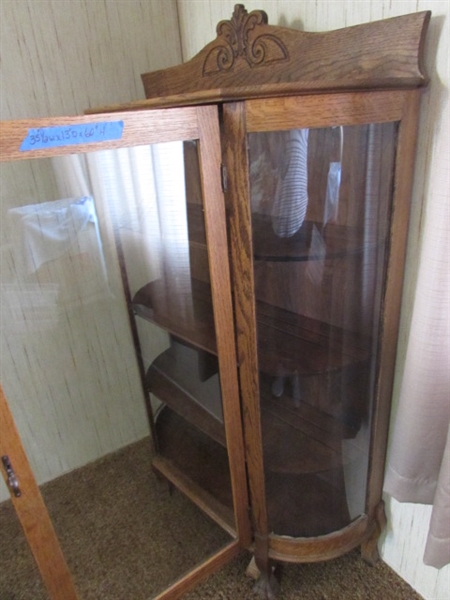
pixel 139 128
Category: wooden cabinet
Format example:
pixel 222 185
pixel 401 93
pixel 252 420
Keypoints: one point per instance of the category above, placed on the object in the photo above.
pixel 270 260
pixel 318 135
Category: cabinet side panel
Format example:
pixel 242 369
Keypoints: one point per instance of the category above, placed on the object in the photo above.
pixel 393 292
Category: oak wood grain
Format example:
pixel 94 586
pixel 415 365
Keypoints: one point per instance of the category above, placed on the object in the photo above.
pixel 173 387
pixel 325 110
pixel 139 128
pixel 250 58
pixel 390 319
pixel 217 243
pixel 265 62
pixel 238 202
pixel 318 548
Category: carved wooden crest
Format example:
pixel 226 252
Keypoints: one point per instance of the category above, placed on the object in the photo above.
pixel 240 38
pixel 251 59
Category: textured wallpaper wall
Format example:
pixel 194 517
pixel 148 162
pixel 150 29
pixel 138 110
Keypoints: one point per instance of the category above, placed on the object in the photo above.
pixel 76 394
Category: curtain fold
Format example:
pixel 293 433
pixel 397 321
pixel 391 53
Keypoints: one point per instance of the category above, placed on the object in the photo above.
pixel 418 468
pixel 139 192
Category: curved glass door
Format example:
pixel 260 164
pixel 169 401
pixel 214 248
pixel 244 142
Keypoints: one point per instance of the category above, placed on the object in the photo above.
pixel 320 207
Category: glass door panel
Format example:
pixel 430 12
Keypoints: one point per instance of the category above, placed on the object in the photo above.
pixel 162 245
pixel 320 202
pixel 138 498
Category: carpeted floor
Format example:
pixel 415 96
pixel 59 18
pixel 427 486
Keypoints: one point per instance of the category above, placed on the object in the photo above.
pixel 126 537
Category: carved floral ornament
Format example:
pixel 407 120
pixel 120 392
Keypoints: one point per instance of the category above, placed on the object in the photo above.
pixel 238 38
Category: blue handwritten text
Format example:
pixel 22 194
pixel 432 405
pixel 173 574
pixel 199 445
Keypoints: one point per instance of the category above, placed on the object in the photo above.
pixel 53 137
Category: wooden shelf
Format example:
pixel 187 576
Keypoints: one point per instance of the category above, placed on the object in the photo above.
pixel 175 380
pixel 288 342
pixel 198 466
pixel 306 505
pixel 298 438
pixel 304 465
pixel 221 514
pixel 196 462
pixel 336 241
pixel 292 343
pixel 150 303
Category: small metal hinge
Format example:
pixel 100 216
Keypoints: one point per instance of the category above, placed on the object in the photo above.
pixel 13 484
pixel 223 176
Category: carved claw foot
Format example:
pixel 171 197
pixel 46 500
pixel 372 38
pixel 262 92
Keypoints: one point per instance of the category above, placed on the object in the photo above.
pixel 267 584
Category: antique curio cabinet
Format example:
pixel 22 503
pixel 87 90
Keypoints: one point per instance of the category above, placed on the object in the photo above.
pixel 272 270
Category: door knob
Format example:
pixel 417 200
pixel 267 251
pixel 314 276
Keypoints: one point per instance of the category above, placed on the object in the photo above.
pixel 13 484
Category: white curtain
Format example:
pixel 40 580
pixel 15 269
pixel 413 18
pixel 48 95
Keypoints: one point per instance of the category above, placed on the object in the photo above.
pixel 140 196
pixel 418 467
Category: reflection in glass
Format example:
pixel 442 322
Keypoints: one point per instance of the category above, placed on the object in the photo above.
pixel 320 206
pixel 68 360
pixel 169 291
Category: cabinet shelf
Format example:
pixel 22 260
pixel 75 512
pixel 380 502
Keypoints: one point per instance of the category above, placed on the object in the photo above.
pixel 288 342
pixel 198 466
pixel 312 241
pixel 194 324
pixel 207 502
pixel 299 438
pixel 336 241
pixel 292 343
pixel 174 379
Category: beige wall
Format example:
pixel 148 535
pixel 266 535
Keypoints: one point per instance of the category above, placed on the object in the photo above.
pixel 403 544
pixel 59 58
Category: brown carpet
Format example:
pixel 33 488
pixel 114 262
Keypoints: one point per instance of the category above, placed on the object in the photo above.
pixel 126 537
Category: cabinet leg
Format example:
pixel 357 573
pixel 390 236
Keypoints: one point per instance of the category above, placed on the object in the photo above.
pixel 252 570
pixel 163 481
pixel 266 574
pixel 369 548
